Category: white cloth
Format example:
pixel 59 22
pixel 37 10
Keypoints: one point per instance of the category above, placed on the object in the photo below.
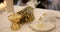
pixel 32 3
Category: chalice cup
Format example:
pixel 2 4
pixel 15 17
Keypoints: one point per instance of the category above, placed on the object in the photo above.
pixel 15 19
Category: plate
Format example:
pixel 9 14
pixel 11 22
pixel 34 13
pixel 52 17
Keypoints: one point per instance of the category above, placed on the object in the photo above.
pixel 44 21
pixel 42 25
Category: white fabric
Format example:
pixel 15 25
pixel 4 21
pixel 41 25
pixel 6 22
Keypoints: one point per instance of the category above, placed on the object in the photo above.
pixel 32 3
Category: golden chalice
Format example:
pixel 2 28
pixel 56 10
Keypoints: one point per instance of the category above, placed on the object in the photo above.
pixel 15 19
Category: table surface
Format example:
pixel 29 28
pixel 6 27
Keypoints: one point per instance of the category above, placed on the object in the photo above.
pixel 5 24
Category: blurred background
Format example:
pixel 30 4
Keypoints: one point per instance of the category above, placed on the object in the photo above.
pixel 44 4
